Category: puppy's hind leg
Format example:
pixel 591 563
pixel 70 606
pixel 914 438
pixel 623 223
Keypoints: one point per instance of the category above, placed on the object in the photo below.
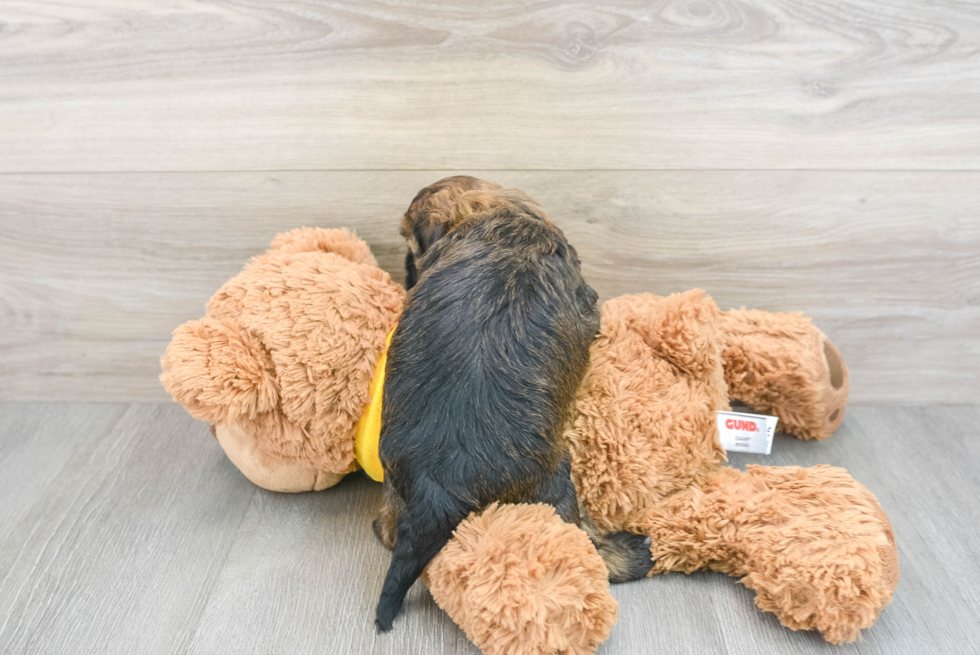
pixel 625 554
pixel 386 525
pixel 424 528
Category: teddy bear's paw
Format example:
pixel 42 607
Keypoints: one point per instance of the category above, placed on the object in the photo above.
pixel 819 551
pixel 839 603
pixel 782 364
pixel 520 581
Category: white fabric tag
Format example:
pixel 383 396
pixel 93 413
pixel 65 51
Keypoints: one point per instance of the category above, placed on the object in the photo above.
pixel 746 433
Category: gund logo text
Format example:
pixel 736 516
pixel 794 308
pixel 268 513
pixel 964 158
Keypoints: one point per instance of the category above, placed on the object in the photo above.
pixel 739 424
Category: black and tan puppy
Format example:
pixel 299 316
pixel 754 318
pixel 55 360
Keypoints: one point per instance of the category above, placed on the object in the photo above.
pixel 481 376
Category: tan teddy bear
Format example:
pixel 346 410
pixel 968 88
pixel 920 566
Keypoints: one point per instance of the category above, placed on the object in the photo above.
pixel 813 543
pixel 282 363
pixel 287 366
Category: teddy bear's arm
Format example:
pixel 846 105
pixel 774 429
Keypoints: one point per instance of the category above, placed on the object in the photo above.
pixel 781 364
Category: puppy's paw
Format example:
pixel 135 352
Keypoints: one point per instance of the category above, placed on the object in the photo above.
pixel 626 555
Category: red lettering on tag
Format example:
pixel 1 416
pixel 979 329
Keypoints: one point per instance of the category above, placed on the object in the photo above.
pixel 739 424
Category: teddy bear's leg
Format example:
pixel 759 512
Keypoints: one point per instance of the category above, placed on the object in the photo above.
pixel 520 581
pixel 274 475
pixel 813 543
pixel 781 364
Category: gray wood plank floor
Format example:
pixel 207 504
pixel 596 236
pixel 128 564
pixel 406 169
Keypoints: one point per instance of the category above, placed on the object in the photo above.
pixel 124 529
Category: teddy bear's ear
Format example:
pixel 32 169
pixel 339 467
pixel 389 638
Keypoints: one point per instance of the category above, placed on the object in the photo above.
pixel 217 370
pixel 342 242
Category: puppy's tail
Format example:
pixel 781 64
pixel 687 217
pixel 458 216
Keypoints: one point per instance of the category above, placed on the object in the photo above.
pixel 424 528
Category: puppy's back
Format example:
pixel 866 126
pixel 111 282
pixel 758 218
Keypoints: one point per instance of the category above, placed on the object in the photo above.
pixel 490 349
pixel 481 373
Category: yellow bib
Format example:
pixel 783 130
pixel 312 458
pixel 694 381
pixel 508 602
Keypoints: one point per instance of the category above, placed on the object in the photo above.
pixel 367 440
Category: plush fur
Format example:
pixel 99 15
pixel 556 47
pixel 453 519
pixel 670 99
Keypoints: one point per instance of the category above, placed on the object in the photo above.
pixel 814 543
pixel 781 364
pixel 520 581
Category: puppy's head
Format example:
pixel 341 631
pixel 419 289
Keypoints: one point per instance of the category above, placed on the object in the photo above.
pixel 440 207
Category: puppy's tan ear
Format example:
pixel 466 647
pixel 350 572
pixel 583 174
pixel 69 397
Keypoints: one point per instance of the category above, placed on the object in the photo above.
pixel 432 212
pixel 481 200
pixel 474 202
pixel 425 234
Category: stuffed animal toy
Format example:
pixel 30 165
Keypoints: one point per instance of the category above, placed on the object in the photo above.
pixel 288 364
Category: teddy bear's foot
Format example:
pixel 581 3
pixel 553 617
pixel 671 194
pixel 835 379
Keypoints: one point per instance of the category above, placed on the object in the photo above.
pixel 831 564
pixel 781 364
pixel 275 476
pixel 813 543
pixel 518 580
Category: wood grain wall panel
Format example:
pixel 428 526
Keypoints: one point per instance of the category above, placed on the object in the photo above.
pixel 116 85
pixel 97 269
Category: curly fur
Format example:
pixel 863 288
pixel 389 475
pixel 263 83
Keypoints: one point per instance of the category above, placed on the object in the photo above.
pixel 440 207
pixel 495 338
